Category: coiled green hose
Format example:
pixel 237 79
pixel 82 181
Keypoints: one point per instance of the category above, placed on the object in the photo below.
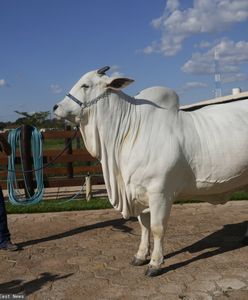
pixel 36 146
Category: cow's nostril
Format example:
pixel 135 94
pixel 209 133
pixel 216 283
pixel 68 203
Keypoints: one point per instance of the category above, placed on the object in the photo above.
pixel 55 107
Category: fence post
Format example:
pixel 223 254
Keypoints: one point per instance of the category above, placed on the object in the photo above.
pixel 78 142
pixel 88 188
pixel 27 160
pixel 68 142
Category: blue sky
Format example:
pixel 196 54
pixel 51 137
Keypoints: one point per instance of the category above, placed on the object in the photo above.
pixel 46 45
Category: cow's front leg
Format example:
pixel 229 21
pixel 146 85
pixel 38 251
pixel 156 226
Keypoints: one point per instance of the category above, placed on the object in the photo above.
pixel 141 256
pixel 160 207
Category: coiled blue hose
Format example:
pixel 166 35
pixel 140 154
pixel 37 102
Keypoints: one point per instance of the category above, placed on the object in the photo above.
pixel 36 146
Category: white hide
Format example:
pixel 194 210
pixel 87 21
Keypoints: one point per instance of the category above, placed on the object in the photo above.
pixel 147 146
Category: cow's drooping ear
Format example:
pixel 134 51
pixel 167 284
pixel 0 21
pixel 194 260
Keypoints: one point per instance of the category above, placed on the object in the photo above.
pixel 119 83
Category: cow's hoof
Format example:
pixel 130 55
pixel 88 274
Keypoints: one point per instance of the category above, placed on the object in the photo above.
pixel 138 262
pixel 245 240
pixel 152 272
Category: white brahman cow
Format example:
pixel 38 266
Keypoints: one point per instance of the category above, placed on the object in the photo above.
pixel 153 153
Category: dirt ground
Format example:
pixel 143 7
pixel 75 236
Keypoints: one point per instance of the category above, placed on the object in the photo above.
pixel 87 254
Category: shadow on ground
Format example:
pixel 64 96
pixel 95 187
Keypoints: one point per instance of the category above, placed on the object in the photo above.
pixel 29 287
pixel 117 224
pixel 224 240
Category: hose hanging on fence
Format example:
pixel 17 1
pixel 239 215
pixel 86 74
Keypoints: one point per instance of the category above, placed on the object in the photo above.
pixel 36 147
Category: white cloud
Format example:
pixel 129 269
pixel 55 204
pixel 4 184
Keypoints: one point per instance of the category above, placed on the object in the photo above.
pixel 55 88
pixel 238 77
pixel 203 44
pixel 191 86
pixel 150 49
pixel 231 56
pixel 3 83
pixel 199 64
pixel 204 17
pixel 195 84
pixel 172 5
pixel 115 71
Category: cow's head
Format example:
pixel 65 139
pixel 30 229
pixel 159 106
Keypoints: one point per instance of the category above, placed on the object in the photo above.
pixel 91 87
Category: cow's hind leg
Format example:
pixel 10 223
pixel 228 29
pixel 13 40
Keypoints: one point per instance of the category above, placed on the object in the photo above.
pixel 141 257
pixel 160 207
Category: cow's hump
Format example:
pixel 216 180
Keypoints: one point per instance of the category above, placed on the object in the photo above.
pixel 162 96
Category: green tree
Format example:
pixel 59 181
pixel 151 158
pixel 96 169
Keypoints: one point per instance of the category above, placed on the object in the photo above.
pixel 4 125
pixel 37 119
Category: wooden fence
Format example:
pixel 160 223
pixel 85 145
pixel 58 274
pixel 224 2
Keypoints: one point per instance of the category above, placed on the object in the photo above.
pixel 69 169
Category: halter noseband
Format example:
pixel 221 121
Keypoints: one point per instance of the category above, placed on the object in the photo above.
pixel 74 99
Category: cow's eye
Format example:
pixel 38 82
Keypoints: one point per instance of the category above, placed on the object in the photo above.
pixel 85 86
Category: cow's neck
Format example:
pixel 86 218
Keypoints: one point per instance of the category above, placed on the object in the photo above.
pixel 116 131
pixel 113 121
pixel 106 123
pixel 89 132
pixel 105 132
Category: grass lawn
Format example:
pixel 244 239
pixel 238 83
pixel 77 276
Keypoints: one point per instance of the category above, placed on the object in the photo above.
pixel 74 205
pixel 58 205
